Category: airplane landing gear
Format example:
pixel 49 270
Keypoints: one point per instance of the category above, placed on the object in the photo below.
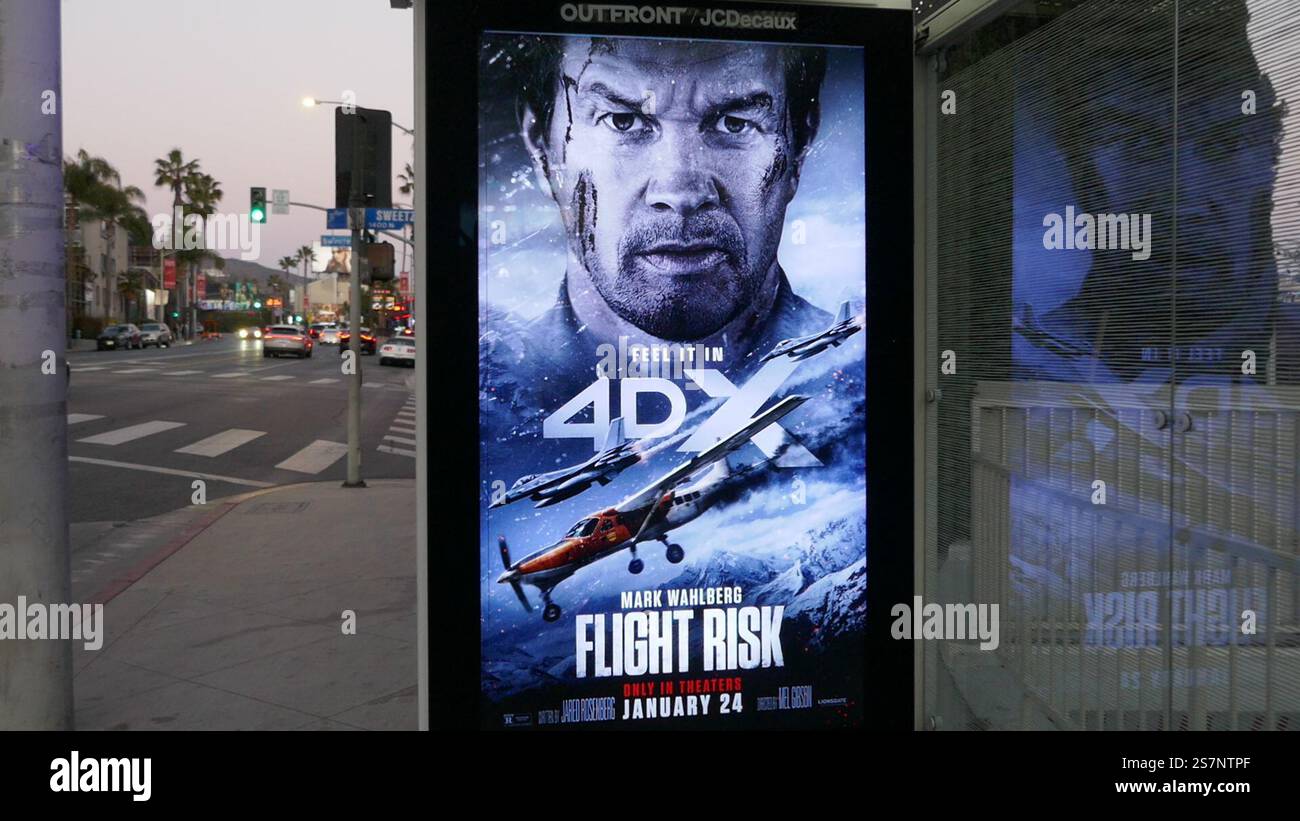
pixel 675 553
pixel 552 610
pixel 636 565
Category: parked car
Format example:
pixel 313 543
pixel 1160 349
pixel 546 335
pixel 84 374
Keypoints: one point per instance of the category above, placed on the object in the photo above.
pixel 282 339
pixel 119 336
pixel 367 341
pixel 156 334
pixel 400 350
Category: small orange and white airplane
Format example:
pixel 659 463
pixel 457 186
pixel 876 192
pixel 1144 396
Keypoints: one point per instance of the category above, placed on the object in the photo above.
pixel 649 514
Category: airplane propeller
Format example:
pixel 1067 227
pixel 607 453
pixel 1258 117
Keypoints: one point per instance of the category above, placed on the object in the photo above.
pixel 514 583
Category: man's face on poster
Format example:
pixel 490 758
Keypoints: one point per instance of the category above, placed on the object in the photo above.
pixel 673 166
pixel 1224 166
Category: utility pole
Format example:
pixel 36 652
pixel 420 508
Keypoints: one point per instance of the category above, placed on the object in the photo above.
pixel 35 675
pixel 356 221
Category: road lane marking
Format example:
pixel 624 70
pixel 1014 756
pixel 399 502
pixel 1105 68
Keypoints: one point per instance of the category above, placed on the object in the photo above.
pixel 228 375
pixel 170 472
pixel 279 378
pixel 179 373
pixel 396 451
pixel 74 418
pixel 80 369
pixel 136 370
pixel 321 381
pixel 222 442
pixel 131 433
pixel 400 440
pixel 315 457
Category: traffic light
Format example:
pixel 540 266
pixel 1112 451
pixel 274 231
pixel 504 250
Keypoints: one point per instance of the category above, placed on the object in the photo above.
pixel 257 204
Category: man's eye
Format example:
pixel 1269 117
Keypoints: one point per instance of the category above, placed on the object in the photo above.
pixel 620 120
pixel 734 125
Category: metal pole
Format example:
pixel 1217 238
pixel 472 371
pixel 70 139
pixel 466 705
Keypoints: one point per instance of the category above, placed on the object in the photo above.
pixel 356 220
pixel 35 675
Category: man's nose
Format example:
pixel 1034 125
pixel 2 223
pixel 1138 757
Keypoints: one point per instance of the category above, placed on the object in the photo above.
pixel 679 179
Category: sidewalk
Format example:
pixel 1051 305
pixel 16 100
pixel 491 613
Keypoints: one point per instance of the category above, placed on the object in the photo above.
pixel 236 622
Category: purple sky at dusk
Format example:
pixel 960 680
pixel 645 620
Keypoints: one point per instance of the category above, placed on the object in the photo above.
pixel 224 82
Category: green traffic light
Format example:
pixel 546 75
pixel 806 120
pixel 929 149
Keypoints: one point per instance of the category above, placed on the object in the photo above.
pixel 257 215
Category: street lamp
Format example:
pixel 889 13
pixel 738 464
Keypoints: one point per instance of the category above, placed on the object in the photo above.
pixel 311 102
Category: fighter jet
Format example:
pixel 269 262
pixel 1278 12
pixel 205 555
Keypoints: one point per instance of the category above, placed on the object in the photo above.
pixel 648 515
pixel 802 347
pixel 558 485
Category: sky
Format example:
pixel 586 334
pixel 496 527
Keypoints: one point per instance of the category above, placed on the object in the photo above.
pixel 224 82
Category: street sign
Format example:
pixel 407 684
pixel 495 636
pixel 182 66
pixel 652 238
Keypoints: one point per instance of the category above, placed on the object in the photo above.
pixel 336 240
pixel 169 273
pixel 389 218
pixel 336 218
pixel 279 201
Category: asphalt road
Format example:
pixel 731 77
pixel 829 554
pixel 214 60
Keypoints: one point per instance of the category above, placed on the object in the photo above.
pixel 144 424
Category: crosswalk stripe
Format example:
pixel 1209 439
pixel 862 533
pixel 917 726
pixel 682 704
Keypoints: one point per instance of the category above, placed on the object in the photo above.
pixel 315 457
pixel 220 443
pixel 371 385
pixel 321 381
pixel 397 451
pixel 179 373
pixel 131 433
pixel 137 370
pixel 279 378
pixel 396 429
pixel 399 440
pixel 74 418
pixel 228 375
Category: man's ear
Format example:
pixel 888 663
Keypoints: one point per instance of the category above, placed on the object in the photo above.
pixel 534 137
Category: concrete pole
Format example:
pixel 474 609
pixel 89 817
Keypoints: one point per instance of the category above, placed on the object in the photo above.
pixel 35 674
pixel 356 221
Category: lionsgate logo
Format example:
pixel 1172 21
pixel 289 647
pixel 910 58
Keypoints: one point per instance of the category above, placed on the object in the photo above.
pixel 1102 232
pixel 215 232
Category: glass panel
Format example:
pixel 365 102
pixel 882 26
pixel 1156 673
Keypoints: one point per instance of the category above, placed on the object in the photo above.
pixel 1053 302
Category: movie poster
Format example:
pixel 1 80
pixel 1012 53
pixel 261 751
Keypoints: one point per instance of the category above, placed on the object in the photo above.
pixel 672 382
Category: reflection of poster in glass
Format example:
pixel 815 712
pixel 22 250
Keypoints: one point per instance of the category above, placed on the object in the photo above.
pixel 672 381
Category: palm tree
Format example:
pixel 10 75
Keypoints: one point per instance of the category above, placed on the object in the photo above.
pixel 95 188
pixel 129 285
pixel 305 255
pixel 408 179
pixel 276 284
pixel 172 172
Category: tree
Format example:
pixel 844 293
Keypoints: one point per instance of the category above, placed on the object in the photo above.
pixel 129 285
pixel 407 178
pixel 305 255
pixel 95 189
pixel 172 172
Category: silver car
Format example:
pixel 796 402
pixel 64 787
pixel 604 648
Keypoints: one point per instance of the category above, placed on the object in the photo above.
pixel 156 334
pixel 286 339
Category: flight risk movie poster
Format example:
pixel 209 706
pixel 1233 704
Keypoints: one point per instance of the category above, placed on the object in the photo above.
pixel 672 381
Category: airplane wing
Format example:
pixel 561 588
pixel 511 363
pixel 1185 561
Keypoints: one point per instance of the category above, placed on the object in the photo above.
pixel 718 450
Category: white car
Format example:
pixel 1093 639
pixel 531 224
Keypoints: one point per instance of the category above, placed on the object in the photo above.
pixel 398 350
pixel 329 335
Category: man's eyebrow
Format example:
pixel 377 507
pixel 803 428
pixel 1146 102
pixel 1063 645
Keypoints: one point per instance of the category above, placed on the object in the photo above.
pixel 758 99
pixel 600 89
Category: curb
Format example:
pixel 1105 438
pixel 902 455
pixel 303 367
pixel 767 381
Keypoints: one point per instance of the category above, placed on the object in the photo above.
pixel 229 503
pixel 121 583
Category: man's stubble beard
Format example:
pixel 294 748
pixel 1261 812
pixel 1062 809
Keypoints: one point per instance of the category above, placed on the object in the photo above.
pixel 684 307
